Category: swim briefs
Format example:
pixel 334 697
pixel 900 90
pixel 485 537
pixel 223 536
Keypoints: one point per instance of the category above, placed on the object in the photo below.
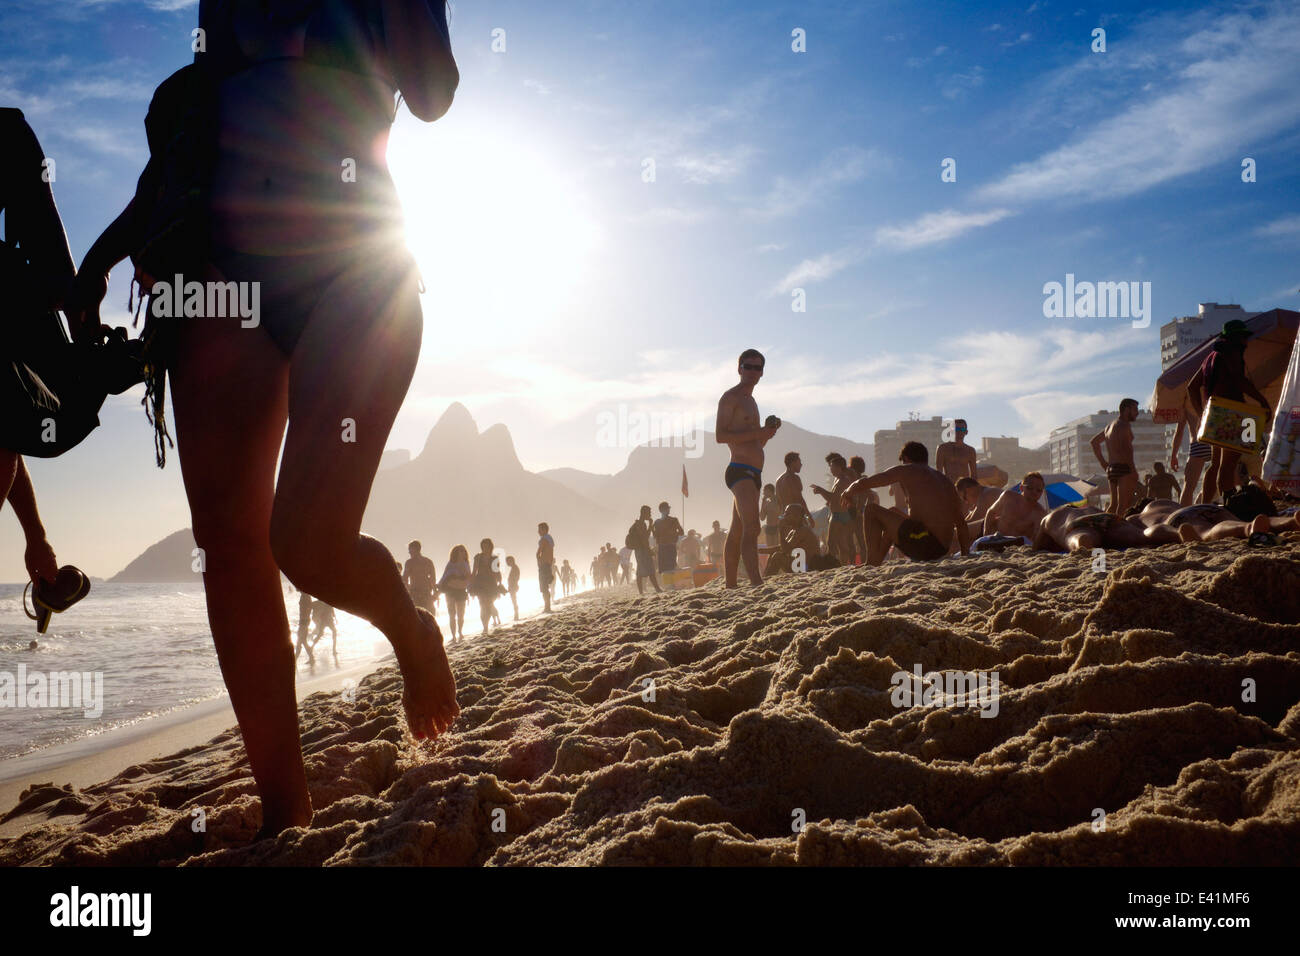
pixel 1200 451
pixel 1207 513
pixel 1118 470
pixel 916 541
pixel 739 471
pixel 1100 523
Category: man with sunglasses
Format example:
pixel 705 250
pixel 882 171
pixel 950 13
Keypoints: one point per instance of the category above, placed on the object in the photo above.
pixel 738 428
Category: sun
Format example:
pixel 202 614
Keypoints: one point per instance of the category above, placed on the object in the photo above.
pixel 502 233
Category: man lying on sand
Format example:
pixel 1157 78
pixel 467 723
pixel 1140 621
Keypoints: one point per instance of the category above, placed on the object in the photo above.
pixel 1083 528
pixel 1210 522
pixel 935 511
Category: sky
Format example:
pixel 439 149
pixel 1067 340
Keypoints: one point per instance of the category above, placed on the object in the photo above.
pixel 627 194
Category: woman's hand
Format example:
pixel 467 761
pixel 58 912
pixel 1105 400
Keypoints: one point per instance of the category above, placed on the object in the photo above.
pixel 40 560
pixel 81 305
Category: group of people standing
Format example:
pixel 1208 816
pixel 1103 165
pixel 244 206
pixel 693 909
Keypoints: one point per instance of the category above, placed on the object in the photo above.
pixel 658 545
pixel 483 579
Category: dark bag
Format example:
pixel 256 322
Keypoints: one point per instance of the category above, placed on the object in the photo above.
pixel 51 389
pixel 1249 503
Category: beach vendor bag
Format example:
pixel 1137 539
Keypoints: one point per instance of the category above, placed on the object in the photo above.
pixel 51 389
pixel 1233 425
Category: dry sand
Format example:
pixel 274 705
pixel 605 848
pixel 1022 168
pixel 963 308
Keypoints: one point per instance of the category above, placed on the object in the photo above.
pixel 1120 692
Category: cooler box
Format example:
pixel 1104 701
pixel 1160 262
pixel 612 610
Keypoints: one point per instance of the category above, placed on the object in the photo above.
pixel 677 580
pixel 1223 423
pixel 702 574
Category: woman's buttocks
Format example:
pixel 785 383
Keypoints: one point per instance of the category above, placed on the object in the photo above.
pixel 301 159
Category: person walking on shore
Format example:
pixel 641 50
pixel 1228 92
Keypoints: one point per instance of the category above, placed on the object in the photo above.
pixel 299 86
pixel 419 575
pixel 512 583
pixel 485 583
pixel 457 577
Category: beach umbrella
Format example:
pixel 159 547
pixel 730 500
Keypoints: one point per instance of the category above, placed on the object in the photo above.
pixel 1063 490
pixel 990 476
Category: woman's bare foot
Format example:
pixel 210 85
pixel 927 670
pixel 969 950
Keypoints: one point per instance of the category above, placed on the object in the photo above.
pixel 273 823
pixel 429 690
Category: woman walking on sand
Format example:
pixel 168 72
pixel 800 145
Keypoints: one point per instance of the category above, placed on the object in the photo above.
pixel 486 582
pixel 455 583
pixel 303 88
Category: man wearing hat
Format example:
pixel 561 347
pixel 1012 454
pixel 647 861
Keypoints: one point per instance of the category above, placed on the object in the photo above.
pixel 1223 375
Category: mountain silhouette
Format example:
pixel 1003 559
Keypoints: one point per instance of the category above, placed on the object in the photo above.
pixel 169 561
pixel 466 485
pixel 654 474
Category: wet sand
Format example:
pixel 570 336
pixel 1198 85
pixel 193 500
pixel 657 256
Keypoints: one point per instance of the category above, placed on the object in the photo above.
pixel 772 735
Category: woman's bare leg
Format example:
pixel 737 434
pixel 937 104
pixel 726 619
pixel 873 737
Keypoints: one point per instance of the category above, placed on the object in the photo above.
pixel 348 377
pixel 1228 472
pixel 228 391
pixel 1210 487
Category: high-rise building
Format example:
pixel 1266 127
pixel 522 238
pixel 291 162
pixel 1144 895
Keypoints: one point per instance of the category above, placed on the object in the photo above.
pixel 1070 452
pixel 1181 335
pixel 889 442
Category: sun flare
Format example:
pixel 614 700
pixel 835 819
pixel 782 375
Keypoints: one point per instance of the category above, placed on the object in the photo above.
pixel 498 227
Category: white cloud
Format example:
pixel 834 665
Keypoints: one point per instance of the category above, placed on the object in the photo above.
pixel 1287 226
pixel 937 227
pixel 714 167
pixel 816 270
pixel 842 166
pixel 1238 83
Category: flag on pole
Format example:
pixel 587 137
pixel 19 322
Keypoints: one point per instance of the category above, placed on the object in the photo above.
pixel 686 491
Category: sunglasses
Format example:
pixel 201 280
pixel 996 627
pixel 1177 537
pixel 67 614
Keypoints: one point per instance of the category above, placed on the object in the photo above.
pixel 751 368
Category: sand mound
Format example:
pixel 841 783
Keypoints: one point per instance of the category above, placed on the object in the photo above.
pixel 1147 716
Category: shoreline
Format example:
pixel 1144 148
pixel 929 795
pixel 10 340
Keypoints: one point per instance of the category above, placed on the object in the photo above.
pixel 99 757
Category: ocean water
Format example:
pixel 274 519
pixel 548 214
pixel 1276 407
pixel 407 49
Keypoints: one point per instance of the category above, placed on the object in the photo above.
pixel 150 646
